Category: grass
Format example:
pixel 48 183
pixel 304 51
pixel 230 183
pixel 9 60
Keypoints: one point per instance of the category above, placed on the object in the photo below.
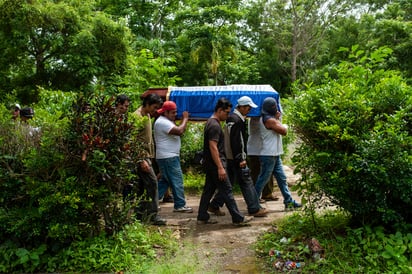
pixel 188 259
pixel 343 249
pixel 195 180
pixel 132 250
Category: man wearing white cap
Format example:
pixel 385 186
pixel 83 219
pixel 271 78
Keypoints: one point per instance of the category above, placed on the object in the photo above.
pixel 15 111
pixel 235 148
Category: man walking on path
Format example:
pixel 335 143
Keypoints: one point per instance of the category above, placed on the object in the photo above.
pixel 167 137
pixel 238 171
pixel 147 182
pixel 254 145
pixel 271 130
pixel 215 167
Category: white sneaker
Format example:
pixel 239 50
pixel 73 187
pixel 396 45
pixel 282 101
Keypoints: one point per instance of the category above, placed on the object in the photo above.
pixel 183 209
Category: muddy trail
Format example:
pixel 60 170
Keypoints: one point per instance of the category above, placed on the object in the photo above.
pixel 222 247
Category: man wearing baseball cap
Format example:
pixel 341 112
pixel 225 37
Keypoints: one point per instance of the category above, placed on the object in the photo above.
pixel 238 171
pixel 271 132
pixel 167 138
pixel 26 114
pixel 15 111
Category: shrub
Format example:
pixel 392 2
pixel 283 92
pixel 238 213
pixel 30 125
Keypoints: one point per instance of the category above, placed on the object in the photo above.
pixel 340 250
pixel 356 145
pixel 61 191
pixel 192 142
pixel 68 183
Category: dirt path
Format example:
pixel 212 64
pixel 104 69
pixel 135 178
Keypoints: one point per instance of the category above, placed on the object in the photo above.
pixel 223 247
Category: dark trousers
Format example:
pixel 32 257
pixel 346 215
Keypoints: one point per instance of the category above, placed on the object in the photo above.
pixel 212 183
pixel 147 194
pixel 243 178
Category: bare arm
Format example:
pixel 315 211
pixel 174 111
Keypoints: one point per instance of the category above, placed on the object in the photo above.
pixel 215 156
pixel 276 125
pixel 179 130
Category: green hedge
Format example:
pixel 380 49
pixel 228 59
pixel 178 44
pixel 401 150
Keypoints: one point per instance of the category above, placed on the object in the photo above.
pixel 356 145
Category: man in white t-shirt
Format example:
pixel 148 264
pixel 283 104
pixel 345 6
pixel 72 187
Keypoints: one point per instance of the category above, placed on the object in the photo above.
pixel 254 145
pixel 167 138
pixel 271 132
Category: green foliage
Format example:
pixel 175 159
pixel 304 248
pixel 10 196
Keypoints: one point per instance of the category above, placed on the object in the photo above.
pixel 101 154
pixel 194 181
pixel 64 45
pixel 387 26
pixel 132 249
pixel 192 142
pixel 146 70
pixel 29 159
pixel 209 45
pixel 356 140
pixel 342 250
pixel 66 182
pixel 26 260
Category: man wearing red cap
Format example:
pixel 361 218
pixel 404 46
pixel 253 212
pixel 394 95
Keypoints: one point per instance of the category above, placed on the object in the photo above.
pixel 167 138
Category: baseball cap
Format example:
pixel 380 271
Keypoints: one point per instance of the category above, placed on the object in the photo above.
pixel 269 106
pixel 27 112
pixel 246 101
pixel 168 105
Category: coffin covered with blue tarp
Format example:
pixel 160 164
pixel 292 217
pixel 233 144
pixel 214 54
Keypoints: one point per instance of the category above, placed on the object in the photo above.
pixel 200 101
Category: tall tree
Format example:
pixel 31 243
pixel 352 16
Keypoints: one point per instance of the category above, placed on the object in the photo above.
pixel 208 32
pixel 296 29
pixel 57 45
pixel 390 26
pixel 146 19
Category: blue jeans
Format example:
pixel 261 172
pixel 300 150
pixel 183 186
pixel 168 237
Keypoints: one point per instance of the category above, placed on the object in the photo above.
pixel 273 165
pixel 246 186
pixel 172 175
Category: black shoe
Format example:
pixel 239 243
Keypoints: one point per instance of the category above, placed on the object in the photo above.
pixel 158 221
pixel 168 199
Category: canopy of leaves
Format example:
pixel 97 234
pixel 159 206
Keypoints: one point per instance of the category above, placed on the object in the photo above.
pixel 58 44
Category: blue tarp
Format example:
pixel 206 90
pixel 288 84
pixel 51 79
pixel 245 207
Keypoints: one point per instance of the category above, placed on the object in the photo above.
pixel 200 101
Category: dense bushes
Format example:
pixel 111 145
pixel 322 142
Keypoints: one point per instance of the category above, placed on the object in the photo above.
pixel 66 182
pixel 356 145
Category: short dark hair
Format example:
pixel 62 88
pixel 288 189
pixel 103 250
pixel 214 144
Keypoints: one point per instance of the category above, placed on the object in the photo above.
pixel 152 99
pixel 120 99
pixel 223 103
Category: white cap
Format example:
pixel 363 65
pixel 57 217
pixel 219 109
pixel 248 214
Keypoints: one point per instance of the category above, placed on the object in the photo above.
pixel 246 101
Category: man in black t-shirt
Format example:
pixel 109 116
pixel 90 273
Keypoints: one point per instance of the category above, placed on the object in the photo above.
pixel 238 171
pixel 215 167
